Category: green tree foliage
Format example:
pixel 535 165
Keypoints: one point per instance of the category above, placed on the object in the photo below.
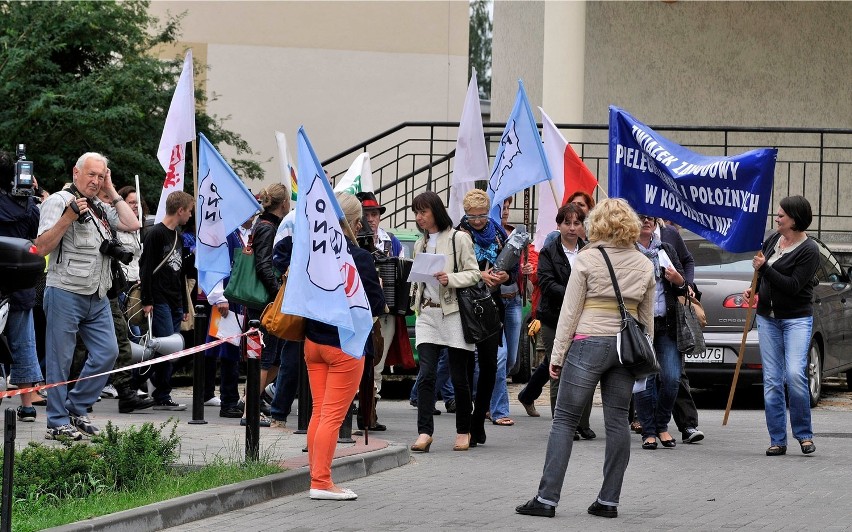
pixel 78 76
pixel 479 50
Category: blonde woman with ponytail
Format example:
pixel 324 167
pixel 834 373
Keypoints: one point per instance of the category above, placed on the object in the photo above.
pixel 275 200
pixel 333 375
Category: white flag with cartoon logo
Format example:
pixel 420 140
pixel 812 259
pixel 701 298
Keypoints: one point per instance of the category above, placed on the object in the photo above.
pixel 323 283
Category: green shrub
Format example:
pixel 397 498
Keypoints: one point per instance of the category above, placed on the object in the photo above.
pixel 115 460
pixel 58 472
pixel 132 455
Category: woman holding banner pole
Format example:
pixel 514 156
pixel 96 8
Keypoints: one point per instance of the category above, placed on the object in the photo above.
pixel 786 266
pixel 333 374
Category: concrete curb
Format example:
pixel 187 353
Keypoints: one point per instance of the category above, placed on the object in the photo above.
pixel 204 504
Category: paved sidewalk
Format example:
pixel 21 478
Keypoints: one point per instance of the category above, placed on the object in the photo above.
pixel 726 481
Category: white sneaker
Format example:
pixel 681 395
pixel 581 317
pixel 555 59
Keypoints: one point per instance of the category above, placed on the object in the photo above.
pixel 326 495
pixel 109 392
pixel 214 401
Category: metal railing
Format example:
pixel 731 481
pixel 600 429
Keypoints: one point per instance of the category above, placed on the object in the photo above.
pixel 416 156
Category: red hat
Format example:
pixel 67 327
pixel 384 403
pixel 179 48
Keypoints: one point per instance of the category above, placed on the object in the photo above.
pixel 368 201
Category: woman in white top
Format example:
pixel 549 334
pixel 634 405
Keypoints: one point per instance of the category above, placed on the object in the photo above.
pixel 439 323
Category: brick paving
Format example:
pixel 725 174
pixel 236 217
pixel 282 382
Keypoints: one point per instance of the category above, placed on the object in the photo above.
pixel 724 482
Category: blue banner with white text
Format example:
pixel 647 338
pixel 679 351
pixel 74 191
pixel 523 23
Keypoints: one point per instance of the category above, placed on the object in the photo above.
pixel 723 199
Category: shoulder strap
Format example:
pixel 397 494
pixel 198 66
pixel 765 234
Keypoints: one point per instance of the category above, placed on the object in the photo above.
pixel 174 245
pixel 455 264
pixel 614 283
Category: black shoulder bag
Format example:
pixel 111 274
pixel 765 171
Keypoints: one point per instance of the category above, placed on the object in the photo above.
pixel 479 314
pixel 635 348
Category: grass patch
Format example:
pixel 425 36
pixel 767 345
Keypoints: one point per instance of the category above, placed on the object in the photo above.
pixel 118 470
pixel 29 515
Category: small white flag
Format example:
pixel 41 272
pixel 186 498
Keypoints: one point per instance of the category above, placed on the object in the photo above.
pixel 179 129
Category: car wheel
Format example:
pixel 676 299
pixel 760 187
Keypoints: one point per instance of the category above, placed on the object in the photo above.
pixel 814 372
pixel 522 376
pixel 849 380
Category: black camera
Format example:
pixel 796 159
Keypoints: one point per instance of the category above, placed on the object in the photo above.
pixel 366 237
pixel 86 216
pixel 23 185
pixel 112 248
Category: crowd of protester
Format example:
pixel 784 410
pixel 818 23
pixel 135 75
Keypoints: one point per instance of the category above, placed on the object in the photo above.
pixel 111 280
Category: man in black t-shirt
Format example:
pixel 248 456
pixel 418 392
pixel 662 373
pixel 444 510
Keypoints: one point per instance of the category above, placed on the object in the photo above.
pixel 163 287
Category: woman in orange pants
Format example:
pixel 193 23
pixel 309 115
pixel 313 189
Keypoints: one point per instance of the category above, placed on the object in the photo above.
pixel 334 375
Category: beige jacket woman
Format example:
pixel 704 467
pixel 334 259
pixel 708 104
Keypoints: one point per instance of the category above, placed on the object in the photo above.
pixel 468 274
pixel 590 307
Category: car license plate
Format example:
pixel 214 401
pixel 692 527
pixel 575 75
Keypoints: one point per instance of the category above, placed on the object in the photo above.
pixel 712 355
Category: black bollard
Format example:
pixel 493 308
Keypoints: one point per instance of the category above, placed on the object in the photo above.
pixel 8 469
pixel 344 435
pixel 306 402
pixel 198 367
pixel 252 401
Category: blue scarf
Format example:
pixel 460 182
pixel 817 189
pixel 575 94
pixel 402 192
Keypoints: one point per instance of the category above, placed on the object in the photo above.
pixel 652 253
pixel 486 242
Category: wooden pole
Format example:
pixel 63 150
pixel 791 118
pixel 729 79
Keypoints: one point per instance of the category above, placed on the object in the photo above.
pixel 746 328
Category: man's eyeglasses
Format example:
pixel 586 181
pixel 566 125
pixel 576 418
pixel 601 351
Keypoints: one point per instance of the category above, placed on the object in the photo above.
pixel 643 218
pixel 477 216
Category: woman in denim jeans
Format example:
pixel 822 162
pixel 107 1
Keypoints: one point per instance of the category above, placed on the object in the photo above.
pixel 786 265
pixel 588 324
pixel 655 403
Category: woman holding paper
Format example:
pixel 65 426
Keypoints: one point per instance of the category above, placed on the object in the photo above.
pixel 654 404
pixel 439 323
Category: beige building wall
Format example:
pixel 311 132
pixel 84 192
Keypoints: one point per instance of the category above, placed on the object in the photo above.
pixel 783 64
pixel 780 64
pixel 345 70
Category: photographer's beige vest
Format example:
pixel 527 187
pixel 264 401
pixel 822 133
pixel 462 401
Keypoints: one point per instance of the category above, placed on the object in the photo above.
pixel 77 265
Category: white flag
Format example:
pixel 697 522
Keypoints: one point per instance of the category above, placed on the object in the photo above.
pixel 359 177
pixel 179 129
pixel 549 193
pixel 288 171
pixel 471 160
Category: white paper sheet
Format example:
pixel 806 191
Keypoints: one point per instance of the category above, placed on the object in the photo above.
pixel 665 261
pixel 425 266
pixel 224 327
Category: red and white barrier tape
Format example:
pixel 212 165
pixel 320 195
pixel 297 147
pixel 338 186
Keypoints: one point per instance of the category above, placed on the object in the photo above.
pixel 253 335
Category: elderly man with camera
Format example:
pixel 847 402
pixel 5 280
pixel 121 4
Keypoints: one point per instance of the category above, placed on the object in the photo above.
pixel 78 233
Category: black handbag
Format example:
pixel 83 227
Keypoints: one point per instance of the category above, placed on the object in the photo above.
pixel 479 314
pixel 635 347
pixel 690 339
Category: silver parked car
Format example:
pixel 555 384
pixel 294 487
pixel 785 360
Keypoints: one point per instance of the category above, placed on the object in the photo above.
pixel 722 277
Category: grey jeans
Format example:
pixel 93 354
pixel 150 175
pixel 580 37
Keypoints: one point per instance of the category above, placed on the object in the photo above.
pixel 589 361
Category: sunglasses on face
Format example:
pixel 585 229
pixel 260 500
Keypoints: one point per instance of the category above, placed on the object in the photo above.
pixel 643 218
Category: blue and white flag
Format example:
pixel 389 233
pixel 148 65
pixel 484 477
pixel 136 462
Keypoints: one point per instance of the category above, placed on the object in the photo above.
pixel 520 161
pixel 723 199
pixel 223 204
pixel 323 283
